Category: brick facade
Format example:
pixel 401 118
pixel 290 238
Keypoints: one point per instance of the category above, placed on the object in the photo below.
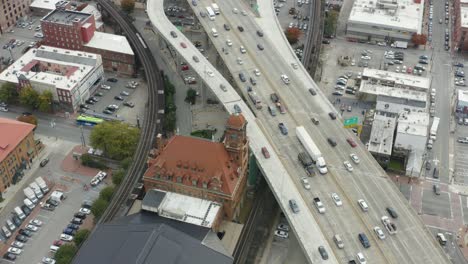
pixel 11 11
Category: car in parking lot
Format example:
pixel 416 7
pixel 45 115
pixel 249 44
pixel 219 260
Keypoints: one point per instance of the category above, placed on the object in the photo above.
pixel 285 78
pixel 69 231
pixel 66 238
pixel 46 260
pixel 113 80
pixel 312 91
pixel 17 244
pixel 9 256
pixel 283 128
pixel 348 165
pixel 124 93
pixel 14 250
pixel 25 232
pixel 73 226
pixel 85 211
pixel 294 206
pixel 58 243
pixel 118 97
pixel 281 234
pixel 283 227
pixel 21 238
pixel 32 228
pixel 107 112
pixel 76 221
pixel 336 199
pixel 305 183
pixel 129 104
pixel 242 77
pixel 16 220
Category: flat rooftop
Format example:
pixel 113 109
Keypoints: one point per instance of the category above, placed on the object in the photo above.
pixel 102 41
pixel 397 79
pixel 413 124
pixel 75 65
pixel 377 89
pixel 44 4
pixel 381 138
pixel 181 207
pixel 462 96
pixel 66 17
pixel 406 15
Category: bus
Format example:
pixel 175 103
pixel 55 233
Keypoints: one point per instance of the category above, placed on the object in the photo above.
pixel 211 13
pixel 83 120
pixel 104 117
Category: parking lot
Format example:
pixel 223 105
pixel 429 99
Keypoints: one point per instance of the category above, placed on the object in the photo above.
pixel 461 157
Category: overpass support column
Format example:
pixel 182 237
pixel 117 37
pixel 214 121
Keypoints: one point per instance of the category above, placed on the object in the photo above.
pixel 253 171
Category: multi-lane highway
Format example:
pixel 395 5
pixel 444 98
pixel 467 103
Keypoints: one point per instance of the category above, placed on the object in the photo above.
pixel 412 244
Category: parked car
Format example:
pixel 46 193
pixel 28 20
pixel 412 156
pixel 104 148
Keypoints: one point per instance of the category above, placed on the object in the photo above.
pixel 9 256
pixel 76 221
pixel 25 232
pixel 281 234
pixel 113 80
pixel 44 162
pixel 32 228
pixel 66 238
pixel 118 97
pixel 21 238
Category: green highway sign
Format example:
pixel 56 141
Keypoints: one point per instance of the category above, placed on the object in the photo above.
pixel 351 121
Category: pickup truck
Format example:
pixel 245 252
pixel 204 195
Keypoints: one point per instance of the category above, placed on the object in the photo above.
pixel 319 205
pixel 389 225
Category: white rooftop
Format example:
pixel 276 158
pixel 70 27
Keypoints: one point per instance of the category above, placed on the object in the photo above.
pixel 462 95
pixel 44 4
pixel 381 138
pixel 413 124
pixel 75 65
pixel 376 89
pixel 110 42
pixel 464 16
pixel 398 79
pixel 395 107
pixel 189 209
pixel 405 16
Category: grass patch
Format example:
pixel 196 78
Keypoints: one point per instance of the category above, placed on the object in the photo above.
pixel 396 165
pixel 205 133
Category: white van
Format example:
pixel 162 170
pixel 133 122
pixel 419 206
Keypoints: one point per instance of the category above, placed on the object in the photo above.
pixel 10 225
pixel 6 232
pixel 19 213
pixel 441 239
pixel 214 32
pixel 28 203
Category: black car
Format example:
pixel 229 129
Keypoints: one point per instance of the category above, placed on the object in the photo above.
pixel 312 91
pixel 48 207
pixel 253 81
pixel 242 77
pixel 87 204
pixel 21 238
pixel 44 162
pixel 16 220
pixel 332 115
pixel 26 210
pixel 99 94
pixel 241 29
pixel 9 256
pixel 392 212
pixel 107 111
pixel 84 106
pixel 323 252
pixel 80 215
pixel 73 226
pixel 173 34
pixel 76 221
pixel 332 142
pixel 260 47
pixel 260 33
pixel 53 202
pixel 25 233
pixel 325 41
pixel 114 80
pixel 90 101
pixel 364 240
pixel 227 27
pixel 118 97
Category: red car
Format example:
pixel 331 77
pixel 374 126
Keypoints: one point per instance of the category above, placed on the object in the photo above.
pixel 183 45
pixel 58 243
pixel 185 68
pixel 351 142
pixel 265 152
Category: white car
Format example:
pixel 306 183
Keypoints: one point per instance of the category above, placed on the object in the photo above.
pixel 105 87
pixel 32 228
pixel 305 183
pixel 281 234
pixel 361 259
pixel 85 211
pixel 283 227
pixel 46 260
pixel 378 231
pixel 209 73
pixel 397 69
pixel 229 43
pixel 354 158
pixel 294 65
pixel 336 199
pixel 14 250
pixel 66 237
pixel 244 13
pixel 3 109
pixel 365 57
pixel 363 205
pixel 35 222
pixel 242 49
pixel 348 165
pixel 17 244
pixel 90 151
pixel 285 78
pixel 235 10
pixel 257 72
pixel 240 61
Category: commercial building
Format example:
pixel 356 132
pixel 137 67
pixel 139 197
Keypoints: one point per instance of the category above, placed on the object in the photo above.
pixel 147 238
pixel 462 102
pixel 17 150
pixel 12 11
pixel 68 74
pixel 215 171
pixel 385 20
pixel 460 25
pixel 381 139
pixel 77 30
pixel 410 140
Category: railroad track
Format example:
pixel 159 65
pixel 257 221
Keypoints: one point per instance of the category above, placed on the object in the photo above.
pixel 314 38
pixel 150 125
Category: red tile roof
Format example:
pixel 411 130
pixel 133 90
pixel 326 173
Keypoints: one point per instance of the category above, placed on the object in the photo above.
pixel 196 159
pixel 12 132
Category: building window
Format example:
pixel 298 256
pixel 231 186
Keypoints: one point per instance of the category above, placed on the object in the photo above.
pixel 194 182
pixel 179 179
pixel 205 185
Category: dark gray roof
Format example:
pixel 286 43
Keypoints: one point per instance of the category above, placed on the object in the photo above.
pixel 153 198
pixel 127 243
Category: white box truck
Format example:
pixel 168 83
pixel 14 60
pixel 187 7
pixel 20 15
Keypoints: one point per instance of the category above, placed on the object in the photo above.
pixel 215 8
pixel 28 192
pixel 312 149
pixel 19 213
pixel 434 128
pixel 42 184
pixel 36 189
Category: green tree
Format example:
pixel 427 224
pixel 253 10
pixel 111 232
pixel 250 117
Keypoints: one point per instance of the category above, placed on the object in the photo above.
pixel 170 121
pixel 191 96
pixel 8 93
pixel 125 163
pixel 118 176
pixel 80 237
pixel 106 193
pixel 331 21
pixel 293 35
pixel 117 139
pixel 65 254
pixel 45 101
pixel 98 208
pixel 127 5
pixel 29 97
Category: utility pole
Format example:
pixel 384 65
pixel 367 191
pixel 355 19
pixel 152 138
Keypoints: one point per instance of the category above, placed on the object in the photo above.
pixel 83 142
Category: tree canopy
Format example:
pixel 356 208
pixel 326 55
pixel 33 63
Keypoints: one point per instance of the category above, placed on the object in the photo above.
pixel 117 139
pixel 293 34
pixel 331 20
pixel 127 5
pixel 81 236
pixel 65 254
pixel 8 93
pixel 45 101
pixel 29 97
pixel 419 39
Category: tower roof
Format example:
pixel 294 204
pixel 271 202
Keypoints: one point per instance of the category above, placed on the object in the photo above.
pixel 236 120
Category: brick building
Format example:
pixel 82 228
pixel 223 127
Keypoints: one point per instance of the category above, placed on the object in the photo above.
pixel 17 150
pixel 77 31
pixel 11 11
pixel 215 171
pixel 460 25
